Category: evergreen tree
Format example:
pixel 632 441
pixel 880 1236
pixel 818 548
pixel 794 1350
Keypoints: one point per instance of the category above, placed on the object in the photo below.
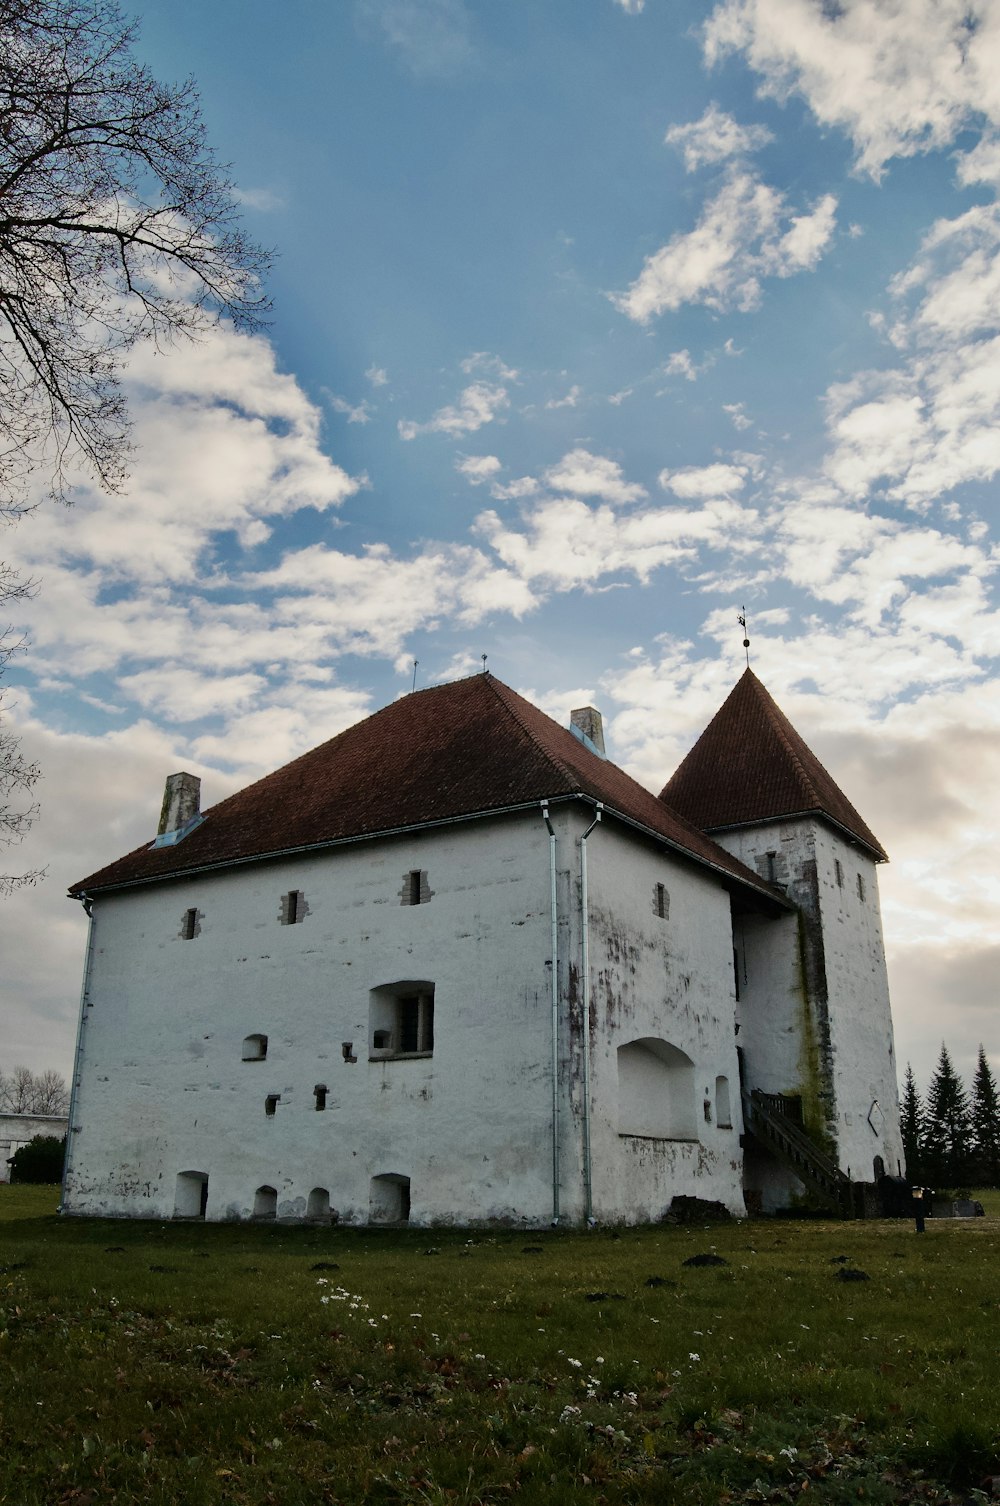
pixel 986 1124
pixel 948 1130
pixel 912 1126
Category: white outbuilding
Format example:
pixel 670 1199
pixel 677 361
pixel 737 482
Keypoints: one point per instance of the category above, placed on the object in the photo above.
pixel 456 966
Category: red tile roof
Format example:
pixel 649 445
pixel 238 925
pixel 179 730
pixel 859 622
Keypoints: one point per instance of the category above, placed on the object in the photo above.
pixel 468 748
pixel 751 765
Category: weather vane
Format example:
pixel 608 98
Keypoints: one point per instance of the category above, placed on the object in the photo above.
pixel 485 656
pixel 742 620
pixel 415 663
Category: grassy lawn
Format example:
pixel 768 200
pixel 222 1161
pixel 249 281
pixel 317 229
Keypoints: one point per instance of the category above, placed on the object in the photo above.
pixel 167 1363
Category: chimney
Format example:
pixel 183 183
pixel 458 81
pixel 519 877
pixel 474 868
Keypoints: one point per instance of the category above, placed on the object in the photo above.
pixel 587 724
pixel 180 811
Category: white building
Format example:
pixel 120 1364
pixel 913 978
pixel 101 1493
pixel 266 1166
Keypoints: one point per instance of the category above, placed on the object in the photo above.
pixel 454 965
pixel 17 1130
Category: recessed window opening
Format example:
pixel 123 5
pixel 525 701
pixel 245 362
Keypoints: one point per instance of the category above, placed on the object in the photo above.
pixel 736 973
pixel 838 869
pixel 861 887
pixel 319 1093
pixel 265 1202
pixel 293 907
pixel 414 886
pixel 661 901
pixel 191 1194
pixel 271 1104
pixel 255 1048
pixel 389 1199
pixel 189 929
pixel 769 858
pixel 318 1204
pixel 656 1091
pixel 723 1112
pixel 401 1019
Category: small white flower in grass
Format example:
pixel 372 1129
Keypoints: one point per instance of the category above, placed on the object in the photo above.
pixel 789 1453
pixel 416 1315
pixel 577 1364
pixel 693 1356
pixel 599 1360
pixel 478 1356
pixel 568 1413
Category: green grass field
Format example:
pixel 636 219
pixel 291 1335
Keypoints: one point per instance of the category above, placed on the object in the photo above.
pixel 167 1363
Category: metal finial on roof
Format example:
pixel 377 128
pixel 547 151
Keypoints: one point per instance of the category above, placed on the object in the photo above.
pixel 742 620
pixel 485 657
pixel 415 663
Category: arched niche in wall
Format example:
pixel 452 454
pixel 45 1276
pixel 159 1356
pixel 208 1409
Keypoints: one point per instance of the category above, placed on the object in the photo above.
pixel 656 1091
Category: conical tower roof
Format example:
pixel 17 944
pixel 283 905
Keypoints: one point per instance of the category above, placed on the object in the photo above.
pixel 750 765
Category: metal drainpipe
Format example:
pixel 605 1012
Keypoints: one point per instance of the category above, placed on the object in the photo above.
pixel 555 1012
pixel 88 905
pixel 588 1189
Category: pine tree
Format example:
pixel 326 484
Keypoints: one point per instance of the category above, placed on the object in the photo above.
pixel 986 1124
pixel 912 1126
pixel 948 1130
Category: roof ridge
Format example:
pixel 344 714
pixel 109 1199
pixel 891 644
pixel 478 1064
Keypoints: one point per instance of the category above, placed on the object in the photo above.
pixel 779 722
pixel 547 753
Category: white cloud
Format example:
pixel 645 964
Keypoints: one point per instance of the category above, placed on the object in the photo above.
pixel 490 365
pixel 632 7
pixel 715 138
pixel 478 468
pixel 745 233
pixel 737 415
pixel 571 400
pixel 899 79
pixel 378 376
pixel 355 413
pixel 704 481
pixel 264 200
pixel 586 475
pixel 432 37
pixel 679 363
pixel 521 486
pixel 480 403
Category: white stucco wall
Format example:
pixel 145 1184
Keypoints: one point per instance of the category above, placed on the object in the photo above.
pixel 163 1088
pixel 841 1049
pixel 660 980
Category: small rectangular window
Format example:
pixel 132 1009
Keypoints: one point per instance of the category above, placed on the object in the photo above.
pixel 293 908
pixel 319 1092
pixel 271 1104
pixel 414 886
pixel 771 875
pixel 838 869
pixel 861 887
pixel 660 901
pixel 190 927
pixel 736 972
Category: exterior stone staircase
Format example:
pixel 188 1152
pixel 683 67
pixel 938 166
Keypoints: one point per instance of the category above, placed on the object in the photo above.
pixel 770 1119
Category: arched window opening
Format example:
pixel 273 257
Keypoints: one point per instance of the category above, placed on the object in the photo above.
pixel 265 1202
pixel 656 1091
pixel 723 1111
pixel 255 1048
pixel 318 1204
pixel 191 1194
pixel 389 1201
pixel 401 1019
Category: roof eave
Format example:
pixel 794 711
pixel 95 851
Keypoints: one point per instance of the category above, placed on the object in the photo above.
pixel 878 852
pixel 84 891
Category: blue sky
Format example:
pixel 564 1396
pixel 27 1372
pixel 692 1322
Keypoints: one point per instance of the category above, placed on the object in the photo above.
pixel 594 320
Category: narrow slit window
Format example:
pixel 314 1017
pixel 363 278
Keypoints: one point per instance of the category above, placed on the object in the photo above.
pixel 838 869
pixel 414 886
pixel 271 1104
pixel 292 907
pixel 189 929
pixel 861 887
pixel 771 875
pixel 319 1092
pixel 661 901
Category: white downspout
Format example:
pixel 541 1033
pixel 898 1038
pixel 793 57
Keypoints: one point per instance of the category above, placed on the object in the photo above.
pixel 588 1189
pixel 88 905
pixel 555 1012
